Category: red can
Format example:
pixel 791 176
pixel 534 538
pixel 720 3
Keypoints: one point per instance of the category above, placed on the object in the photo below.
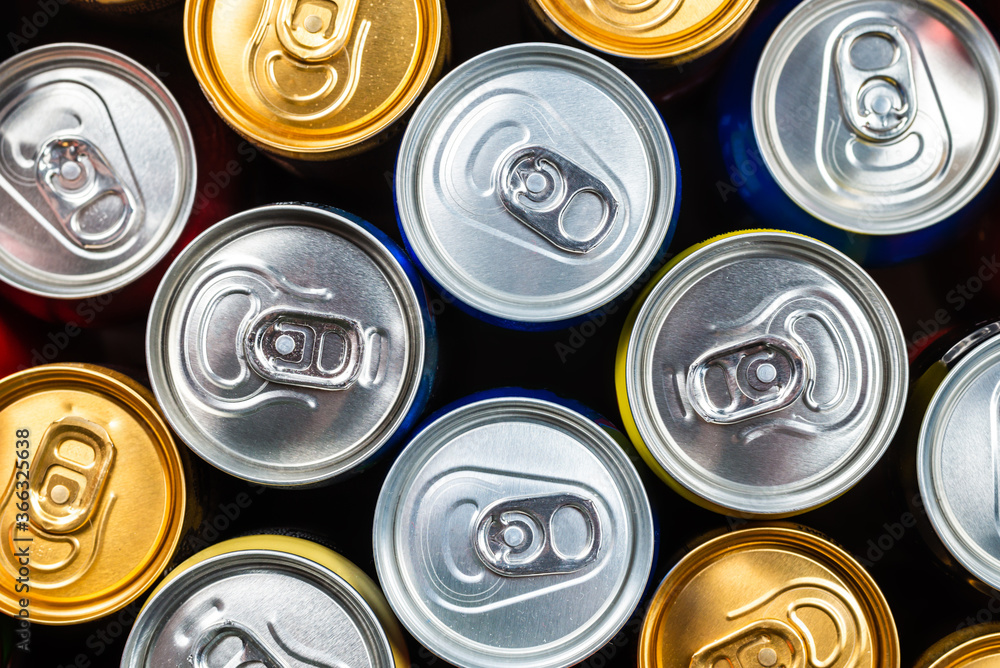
pixel 100 181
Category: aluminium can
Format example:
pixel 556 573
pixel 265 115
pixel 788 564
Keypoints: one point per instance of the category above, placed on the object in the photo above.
pixel 291 344
pixel 808 603
pixel 546 159
pixel 95 513
pixel 869 124
pixel 97 176
pixel 972 647
pixel 513 531
pixel 314 81
pixel 269 601
pixel 668 47
pixel 761 374
pixel 955 403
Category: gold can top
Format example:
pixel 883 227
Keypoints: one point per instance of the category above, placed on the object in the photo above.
pixel 972 647
pixel 662 30
pixel 307 79
pixel 95 500
pixel 766 597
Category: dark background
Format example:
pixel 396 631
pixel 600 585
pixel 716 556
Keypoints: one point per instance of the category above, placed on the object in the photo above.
pixel 870 521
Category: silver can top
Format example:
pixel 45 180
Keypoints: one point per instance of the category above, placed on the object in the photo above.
pixel 879 116
pixel 261 608
pixel 97 171
pixel 957 455
pixel 285 345
pixel 543 158
pixel 513 532
pixel 766 373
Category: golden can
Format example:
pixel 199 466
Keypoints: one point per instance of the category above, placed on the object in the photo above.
pixel 315 79
pixel 287 600
pixel 96 499
pixel 765 597
pixel 972 647
pixel 650 36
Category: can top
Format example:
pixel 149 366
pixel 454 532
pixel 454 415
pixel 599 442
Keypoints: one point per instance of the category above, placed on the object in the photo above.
pixel 97 171
pixel 291 603
pixel 544 158
pixel 806 602
pixel 513 531
pixel 879 116
pixel 766 373
pixel 286 344
pixel 971 647
pixel 956 455
pixel 305 78
pixel 650 30
pixel 106 497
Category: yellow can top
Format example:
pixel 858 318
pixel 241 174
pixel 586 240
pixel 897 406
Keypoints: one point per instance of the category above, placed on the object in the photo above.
pixel 973 647
pixel 768 596
pixel 309 78
pixel 94 504
pixel 671 30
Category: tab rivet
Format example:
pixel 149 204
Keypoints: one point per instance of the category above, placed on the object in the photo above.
pixel 313 23
pixel 70 170
pixel 284 344
pixel 59 494
pixel 766 373
pixel 535 182
pixel 514 536
pixel 767 657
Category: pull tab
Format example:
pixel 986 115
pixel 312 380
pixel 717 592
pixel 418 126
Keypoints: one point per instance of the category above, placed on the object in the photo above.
pixel 514 536
pixel 765 644
pixel 307 349
pixel 313 30
pixel 70 487
pixel 760 376
pixel 232 644
pixel 878 98
pixel 90 201
pixel 538 186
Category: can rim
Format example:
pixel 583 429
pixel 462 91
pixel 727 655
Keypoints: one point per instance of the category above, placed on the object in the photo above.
pixel 423 446
pixel 776 52
pixel 963 647
pixel 141 401
pixel 125 68
pixel 728 19
pixel 217 236
pixel 969 554
pixel 227 103
pixel 663 181
pixel 661 446
pixel 790 537
pixel 183 582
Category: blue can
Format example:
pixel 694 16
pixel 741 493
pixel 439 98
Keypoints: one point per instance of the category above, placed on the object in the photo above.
pixel 535 184
pixel 291 345
pixel 504 511
pixel 850 121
